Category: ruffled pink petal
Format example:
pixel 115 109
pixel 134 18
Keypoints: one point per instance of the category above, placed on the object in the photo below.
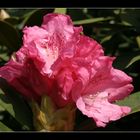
pixel 106 78
pixel 33 33
pixel 65 83
pixel 61 25
pixel 88 48
pixel 121 85
pixel 37 44
pixel 25 78
pixel 9 73
pixel 98 107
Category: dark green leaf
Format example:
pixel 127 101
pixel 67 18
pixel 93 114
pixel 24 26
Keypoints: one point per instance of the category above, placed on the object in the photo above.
pixel 124 59
pixel 12 20
pixel 136 58
pixel 4 53
pixel 132 101
pixel 34 17
pixel 1 107
pixel 15 105
pixel 3 127
pixel 17 12
pixel 138 41
pixel 6 105
pixel 107 38
pixel 92 20
pixel 8 36
pixel 132 16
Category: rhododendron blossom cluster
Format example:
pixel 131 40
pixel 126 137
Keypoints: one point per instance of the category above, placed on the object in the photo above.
pixel 57 60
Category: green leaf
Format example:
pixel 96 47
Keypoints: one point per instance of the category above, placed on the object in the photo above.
pixel 132 101
pixel 34 17
pixel 9 36
pixel 124 59
pixel 138 41
pixel 15 105
pixel 17 12
pixel 4 57
pixel 132 16
pixel 3 127
pixel 3 54
pixel 1 108
pixel 12 20
pixel 137 58
pixel 6 105
pixel 107 38
pixel 60 10
pixel 92 20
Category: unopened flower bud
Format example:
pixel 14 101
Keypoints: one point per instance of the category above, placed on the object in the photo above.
pixel 47 117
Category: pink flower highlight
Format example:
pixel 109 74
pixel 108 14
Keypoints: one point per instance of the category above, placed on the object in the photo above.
pixel 58 61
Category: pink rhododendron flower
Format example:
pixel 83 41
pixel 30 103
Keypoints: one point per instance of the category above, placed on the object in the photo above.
pixel 58 61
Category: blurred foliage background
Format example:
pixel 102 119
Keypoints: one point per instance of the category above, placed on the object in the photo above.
pixel 118 30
